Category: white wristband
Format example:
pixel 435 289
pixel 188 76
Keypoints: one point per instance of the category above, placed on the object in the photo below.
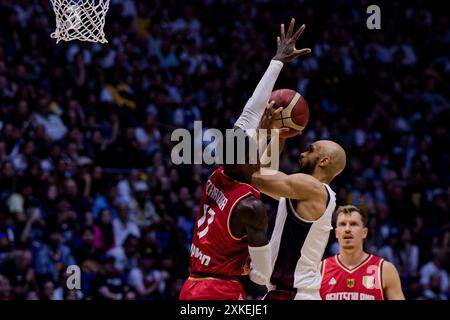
pixel 261 265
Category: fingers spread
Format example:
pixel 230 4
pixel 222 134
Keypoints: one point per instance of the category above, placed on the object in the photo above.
pixel 302 52
pixel 298 33
pixel 291 28
pixel 282 36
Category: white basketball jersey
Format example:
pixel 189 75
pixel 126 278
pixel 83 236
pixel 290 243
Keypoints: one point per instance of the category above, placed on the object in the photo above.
pixel 297 247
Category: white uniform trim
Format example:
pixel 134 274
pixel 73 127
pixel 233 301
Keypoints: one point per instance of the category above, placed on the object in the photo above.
pixel 275 240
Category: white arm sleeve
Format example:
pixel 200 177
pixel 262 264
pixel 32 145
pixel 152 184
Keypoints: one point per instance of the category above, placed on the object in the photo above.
pixel 255 106
pixel 261 266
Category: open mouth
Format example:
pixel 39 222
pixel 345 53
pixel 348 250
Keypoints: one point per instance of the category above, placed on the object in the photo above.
pixel 348 237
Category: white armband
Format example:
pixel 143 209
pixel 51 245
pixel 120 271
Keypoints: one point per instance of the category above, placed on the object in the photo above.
pixel 261 265
pixel 255 106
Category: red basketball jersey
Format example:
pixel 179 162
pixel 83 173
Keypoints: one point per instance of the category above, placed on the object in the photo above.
pixel 214 250
pixel 361 283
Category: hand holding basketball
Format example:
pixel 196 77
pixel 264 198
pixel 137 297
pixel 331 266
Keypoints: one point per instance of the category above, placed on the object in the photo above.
pixel 294 114
pixel 268 120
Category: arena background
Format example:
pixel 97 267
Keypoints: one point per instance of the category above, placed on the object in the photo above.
pixel 85 134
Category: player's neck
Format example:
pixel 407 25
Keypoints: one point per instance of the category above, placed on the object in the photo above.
pixel 322 177
pixel 353 257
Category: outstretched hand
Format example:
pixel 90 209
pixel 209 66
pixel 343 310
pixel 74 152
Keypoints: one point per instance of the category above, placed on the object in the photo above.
pixel 286 50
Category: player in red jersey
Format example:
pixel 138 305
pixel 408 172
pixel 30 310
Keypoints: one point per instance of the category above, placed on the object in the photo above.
pixel 231 218
pixel 354 274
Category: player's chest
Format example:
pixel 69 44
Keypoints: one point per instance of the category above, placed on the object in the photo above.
pixel 357 281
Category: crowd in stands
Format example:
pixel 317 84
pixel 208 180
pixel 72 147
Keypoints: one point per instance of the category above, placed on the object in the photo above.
pixel 86 176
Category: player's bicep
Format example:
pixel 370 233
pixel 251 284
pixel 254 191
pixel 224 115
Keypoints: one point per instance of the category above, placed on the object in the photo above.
pixel 272 183
pixel 254 217
pixel 392 286
pixel 280 185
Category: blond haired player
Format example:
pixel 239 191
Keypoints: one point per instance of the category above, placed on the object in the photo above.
pixel 354 274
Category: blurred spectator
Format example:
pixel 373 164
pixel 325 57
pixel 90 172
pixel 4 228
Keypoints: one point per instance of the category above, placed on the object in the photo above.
pixel 125 186
pixel 85 253
pixel 48 291
pixel 123 225
pixel 409 254
pixel 125 255
pixel 434 289
pixel 54 127
pixel 7 236
pixel 103 231
pixel 433 273
pixel 5 288
pixel 85 134
pixel 143 210
pixel 148 281
pixel 102 202
pixel 110 284
pixel 54 256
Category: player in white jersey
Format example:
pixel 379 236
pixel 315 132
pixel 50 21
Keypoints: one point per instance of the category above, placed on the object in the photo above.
pixel 303 222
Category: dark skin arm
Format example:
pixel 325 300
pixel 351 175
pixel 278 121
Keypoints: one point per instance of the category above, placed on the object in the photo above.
pixel 286 51
pixel 249 218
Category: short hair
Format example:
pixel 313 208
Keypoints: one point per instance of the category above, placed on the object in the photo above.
pixel 348 209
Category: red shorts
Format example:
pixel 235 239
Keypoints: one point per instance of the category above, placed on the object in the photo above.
pixel 212 289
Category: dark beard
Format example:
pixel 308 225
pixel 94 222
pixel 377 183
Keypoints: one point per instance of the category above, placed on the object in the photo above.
pixel 308 168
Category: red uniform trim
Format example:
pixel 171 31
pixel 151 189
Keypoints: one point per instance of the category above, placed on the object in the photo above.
pixel 239 182
pixel 231 213
pixel 340 264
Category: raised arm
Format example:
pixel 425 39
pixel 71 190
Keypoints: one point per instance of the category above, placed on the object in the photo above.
pixel 294 186
pixel 392 286
pixel 286 52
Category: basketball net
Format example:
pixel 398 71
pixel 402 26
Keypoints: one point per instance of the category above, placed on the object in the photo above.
pixel 82 20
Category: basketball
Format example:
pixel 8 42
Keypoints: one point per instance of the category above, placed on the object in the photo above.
pixel 295 114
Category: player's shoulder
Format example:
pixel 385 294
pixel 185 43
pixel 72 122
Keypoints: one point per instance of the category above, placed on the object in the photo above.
pixel 387 266
pixel 304 176
pixel 331 258
pixel 326 263
pixel 314 184
pixel 329 261
pixel 389 274
pixel 250 211
pixel 250 203
pixel 378 259
pixel 217 172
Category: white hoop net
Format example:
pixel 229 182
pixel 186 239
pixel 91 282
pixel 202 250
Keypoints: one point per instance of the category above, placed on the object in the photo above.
pixel 80 20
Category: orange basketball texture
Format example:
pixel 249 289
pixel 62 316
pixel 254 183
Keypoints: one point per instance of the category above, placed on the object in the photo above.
pixel 295 114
